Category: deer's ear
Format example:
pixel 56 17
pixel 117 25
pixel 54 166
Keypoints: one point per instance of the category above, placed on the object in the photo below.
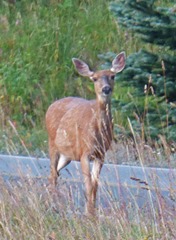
pixel 118 63
pixel 82 67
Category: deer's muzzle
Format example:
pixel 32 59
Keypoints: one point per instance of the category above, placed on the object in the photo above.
pixel 107 90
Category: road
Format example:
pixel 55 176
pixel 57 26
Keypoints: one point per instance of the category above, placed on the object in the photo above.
pixel 118 183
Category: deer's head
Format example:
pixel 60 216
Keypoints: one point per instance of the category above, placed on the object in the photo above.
pixel 103 80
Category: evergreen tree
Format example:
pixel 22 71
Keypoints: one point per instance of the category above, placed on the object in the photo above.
pixel 156 72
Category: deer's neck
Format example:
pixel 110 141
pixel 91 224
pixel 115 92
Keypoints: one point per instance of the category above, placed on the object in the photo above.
pixel 104 124
pixel 104 111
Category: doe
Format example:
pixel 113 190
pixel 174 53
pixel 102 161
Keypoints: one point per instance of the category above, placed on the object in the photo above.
pixel 82 130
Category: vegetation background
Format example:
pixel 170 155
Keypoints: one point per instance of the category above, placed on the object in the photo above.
pixel 37 42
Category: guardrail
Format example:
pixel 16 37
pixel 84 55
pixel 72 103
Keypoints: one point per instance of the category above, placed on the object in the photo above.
pixel 118 183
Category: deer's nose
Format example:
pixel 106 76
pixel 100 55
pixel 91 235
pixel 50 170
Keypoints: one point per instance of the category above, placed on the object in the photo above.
pixel 107 90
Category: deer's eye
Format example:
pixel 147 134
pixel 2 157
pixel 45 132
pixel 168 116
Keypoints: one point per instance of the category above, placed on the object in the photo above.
pixel 94 79
pixel 112 77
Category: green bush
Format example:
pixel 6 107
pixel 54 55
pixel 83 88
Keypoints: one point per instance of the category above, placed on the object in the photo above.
pixel 150 76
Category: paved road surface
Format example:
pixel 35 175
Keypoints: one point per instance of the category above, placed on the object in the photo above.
pixel 118 183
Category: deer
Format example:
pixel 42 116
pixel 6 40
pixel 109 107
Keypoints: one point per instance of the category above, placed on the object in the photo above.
pixel 82 130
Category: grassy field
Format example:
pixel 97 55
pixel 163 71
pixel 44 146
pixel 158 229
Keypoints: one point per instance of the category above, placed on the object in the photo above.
pixel 28 210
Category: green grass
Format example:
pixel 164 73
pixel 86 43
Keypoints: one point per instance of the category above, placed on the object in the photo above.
pixel 38 41
pixel 37 44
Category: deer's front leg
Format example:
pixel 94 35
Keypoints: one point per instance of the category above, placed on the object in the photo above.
pixel 97 165
pixel 85 165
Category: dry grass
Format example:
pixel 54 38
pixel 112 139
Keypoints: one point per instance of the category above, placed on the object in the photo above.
pixel 126 152
pixel 28 210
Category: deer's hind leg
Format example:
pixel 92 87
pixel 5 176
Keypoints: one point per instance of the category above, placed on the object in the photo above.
pixel 54 158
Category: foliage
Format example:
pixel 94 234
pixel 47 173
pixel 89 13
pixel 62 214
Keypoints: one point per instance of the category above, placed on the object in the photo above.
pixel 38 40
pixel 155 25
pixel 150 74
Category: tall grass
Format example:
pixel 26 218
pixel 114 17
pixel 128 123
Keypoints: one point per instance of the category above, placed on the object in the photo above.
pixel 28 210
pixel 38 40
